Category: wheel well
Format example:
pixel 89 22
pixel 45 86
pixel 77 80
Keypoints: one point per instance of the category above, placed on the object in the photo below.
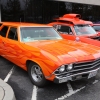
pixel 28 62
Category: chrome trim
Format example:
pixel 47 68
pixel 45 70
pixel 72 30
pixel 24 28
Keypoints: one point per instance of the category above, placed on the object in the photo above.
pixel 73 74
pixel 85 68
pixel 93 60
pixel 92 63
pixel 77 70
pixel 79 73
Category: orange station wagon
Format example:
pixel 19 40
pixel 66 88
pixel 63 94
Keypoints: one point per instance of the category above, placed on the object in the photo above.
pixel 72 27
pixel 40 50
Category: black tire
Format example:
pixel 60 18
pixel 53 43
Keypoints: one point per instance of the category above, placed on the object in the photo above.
pixel 36 75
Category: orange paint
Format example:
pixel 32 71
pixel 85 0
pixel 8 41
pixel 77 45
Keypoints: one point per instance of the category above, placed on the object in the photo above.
pixel 48 54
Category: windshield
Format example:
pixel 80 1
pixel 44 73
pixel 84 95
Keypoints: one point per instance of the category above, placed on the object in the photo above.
pixel 29 34
pixel 97 28
pixel 84 30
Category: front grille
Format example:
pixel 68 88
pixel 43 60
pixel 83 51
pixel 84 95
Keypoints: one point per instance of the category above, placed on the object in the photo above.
pixel 86 65
pixel 82 67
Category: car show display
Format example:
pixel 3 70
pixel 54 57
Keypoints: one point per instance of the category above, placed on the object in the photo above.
pixel 40 50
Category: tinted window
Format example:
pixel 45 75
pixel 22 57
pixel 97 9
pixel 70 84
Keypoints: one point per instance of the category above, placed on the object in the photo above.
pixel 13 33
pixel 97 28
pixel 84 29
pixel 4 31
pixel 64 29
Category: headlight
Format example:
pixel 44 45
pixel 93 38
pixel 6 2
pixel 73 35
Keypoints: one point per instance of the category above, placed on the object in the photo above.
pixel 62 69
pixel 69 67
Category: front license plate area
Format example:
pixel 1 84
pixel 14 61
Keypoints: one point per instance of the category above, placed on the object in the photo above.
pixel 92 74
pixel 65 79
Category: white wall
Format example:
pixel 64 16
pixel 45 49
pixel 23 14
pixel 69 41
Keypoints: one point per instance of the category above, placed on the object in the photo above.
pixel 92 2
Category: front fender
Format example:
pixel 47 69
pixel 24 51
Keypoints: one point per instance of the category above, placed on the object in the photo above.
pixel 44 66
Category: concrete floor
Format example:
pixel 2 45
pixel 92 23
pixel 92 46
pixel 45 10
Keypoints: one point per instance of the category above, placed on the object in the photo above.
pixel 25 90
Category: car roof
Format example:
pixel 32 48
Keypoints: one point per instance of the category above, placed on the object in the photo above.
pixel 61 23
pixel 22 24
pixel 72 19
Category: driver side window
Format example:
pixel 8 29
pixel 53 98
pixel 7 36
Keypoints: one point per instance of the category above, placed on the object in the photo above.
pixel 63 29
pixel 13 33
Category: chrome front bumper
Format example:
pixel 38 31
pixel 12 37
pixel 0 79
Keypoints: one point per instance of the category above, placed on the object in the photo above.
pixel 86 74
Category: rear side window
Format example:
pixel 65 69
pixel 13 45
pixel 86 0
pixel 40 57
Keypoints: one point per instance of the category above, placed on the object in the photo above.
pixel 3 31
pixel 13 33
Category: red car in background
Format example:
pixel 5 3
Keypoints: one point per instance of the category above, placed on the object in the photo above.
pixel 72 27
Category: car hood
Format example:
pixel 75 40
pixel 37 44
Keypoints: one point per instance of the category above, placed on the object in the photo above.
pixel 67 51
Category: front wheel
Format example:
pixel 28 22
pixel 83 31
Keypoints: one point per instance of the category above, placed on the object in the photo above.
pixel 36 75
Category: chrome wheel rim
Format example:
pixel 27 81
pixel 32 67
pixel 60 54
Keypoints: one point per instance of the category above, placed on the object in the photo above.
pixel 36 73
